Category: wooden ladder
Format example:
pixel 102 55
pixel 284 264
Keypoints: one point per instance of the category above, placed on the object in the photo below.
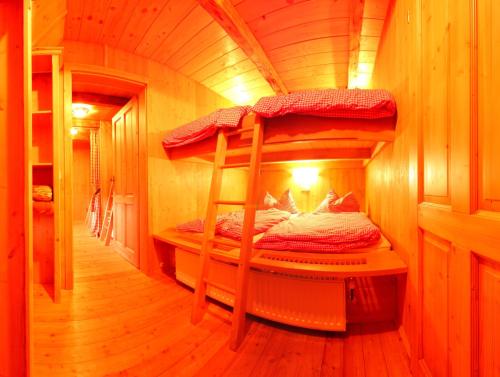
pixel 107 221
pixel 238 328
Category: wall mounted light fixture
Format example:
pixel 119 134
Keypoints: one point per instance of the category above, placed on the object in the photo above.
pixel 305 177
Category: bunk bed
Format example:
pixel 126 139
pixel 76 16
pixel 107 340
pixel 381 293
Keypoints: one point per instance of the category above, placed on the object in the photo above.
pixel 298 288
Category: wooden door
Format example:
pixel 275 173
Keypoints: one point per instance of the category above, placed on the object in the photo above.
pixel 459 213
pixel 126 172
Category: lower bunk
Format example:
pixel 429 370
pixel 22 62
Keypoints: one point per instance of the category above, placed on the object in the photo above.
pixel 316 291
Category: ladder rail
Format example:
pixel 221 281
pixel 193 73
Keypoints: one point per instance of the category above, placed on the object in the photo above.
pixel 209 231
pixel 238 326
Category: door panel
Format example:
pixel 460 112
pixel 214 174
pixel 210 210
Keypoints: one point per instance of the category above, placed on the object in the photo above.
pixel 126 161
pixel 435 88
pixel 489 104
pixel 435 304
pixel 488 306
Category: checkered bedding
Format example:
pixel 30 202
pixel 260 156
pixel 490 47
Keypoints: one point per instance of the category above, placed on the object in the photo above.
pixel 322 233
pixel 333 103
pixel 205 127
pixel 231 224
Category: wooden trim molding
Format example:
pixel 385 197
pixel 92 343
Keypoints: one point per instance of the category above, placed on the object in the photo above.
pixel 474 106
pixel 227 16
pixel 479 232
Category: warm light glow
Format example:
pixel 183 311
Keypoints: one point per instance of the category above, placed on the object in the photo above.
pixel 305 177
pixel 360 81
pixel 73 131
pixel 80 110
pixel 240 95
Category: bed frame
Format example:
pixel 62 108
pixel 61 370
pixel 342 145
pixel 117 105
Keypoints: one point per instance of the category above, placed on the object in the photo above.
pixel 301 289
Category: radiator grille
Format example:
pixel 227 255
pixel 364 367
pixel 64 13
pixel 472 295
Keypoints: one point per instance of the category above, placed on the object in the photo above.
pixel 320 261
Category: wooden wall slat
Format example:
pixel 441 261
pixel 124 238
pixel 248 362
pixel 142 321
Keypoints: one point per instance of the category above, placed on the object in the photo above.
pixel 489 104
pixel 162 41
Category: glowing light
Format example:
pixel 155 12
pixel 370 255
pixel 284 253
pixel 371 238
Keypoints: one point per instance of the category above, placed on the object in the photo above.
pixel 80 110
pixel 241 96
pixel 361 80
pixel 305 177
pixel 73 131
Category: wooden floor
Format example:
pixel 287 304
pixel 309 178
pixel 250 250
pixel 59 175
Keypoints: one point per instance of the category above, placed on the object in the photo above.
pixel 119 322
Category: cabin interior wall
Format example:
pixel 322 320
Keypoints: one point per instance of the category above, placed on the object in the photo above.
pixel 391 176
pixel 178 190
pixel 342 177
pixel 13 203
pixel 426 190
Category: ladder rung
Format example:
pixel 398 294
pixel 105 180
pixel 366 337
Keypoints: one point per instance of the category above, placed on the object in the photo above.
pixel 232 166
pixel 222 287
pixel 239 131
pixel 230 202
pixel 227 242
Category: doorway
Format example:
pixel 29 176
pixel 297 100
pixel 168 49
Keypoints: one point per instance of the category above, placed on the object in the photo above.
pixel 108 133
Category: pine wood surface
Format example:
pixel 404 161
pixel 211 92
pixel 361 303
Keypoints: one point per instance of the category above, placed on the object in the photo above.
pixel 240 49
pixel 119 322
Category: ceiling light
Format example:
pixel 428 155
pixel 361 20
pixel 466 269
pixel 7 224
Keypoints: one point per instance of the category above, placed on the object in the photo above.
pixel 73 131
pixel 80 110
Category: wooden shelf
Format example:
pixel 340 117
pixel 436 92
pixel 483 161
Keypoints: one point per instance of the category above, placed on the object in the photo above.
pixel 42 164
pixel 42 112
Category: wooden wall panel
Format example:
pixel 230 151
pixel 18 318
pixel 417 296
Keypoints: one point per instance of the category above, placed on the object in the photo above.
pixel 435 83
pixel 342 177
pixel 435 305
pixel 81 179
pixel 14 201
pixel 49 17
pixel 392 177
pixel 488 327
pixel 489 103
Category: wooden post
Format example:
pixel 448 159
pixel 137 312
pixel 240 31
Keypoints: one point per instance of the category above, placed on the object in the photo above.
pixel 15 294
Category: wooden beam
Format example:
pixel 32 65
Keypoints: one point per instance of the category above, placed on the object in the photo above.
pixel 226 15
pixel 355 23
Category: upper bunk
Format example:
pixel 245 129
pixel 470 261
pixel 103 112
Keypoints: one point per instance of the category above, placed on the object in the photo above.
pixel 317 124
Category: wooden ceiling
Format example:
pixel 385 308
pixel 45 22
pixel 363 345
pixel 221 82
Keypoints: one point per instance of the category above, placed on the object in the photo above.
pixel 242 49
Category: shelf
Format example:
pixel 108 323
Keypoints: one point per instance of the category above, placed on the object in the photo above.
pixel 42 112
pixel 42 164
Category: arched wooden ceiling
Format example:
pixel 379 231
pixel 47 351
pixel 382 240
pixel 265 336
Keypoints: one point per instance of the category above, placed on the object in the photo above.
pixel 238 47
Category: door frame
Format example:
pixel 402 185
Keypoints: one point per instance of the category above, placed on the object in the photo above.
pixel 138 86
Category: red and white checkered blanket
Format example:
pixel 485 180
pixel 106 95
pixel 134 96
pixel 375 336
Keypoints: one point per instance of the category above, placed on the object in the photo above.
pixel 205 127
pixel 231 224
pixel 334 103
pixel 321 232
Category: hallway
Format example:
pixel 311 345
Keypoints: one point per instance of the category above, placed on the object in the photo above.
pixel 119 322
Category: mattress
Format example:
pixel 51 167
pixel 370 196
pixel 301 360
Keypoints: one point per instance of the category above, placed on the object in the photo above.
pixel 367 104
pixel 306 232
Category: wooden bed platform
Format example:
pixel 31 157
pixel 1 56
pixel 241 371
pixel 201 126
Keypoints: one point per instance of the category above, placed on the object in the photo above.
pixel 299 137
pixel 300 289
pixel 377 260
